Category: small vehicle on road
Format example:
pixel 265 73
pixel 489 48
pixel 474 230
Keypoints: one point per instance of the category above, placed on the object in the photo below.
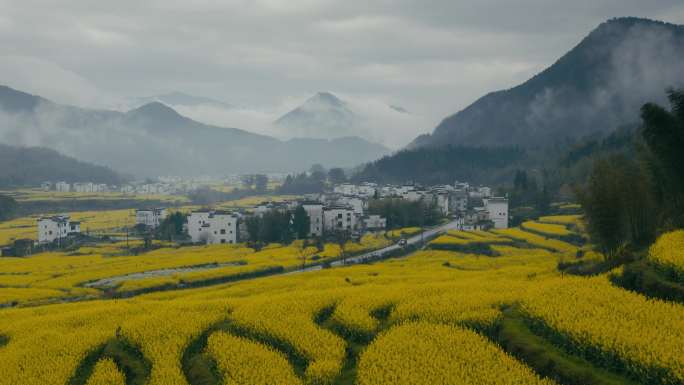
pixel 402 242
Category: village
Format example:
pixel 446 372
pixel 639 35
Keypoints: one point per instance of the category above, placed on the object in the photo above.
pixel 346 208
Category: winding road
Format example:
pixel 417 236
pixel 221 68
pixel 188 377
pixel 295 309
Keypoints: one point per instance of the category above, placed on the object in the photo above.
pixel 379 253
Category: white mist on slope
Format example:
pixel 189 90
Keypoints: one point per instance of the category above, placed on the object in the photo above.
pixel 377 121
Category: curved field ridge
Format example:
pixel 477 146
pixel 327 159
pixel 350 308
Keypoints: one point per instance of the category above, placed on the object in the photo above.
pixel 549 361
pixel 546 229
pixel 244 362
pixel 336 319
pixel 426 353
pixel 203 364
pixel 106 373
pixel 667 254
pixel 641 337
pixel 127 357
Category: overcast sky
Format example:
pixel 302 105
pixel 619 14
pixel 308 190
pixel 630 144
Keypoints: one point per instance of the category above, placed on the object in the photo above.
pixel 432 57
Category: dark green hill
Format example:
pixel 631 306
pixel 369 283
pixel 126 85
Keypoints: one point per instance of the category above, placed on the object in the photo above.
pixel 596 87
pixel 29 166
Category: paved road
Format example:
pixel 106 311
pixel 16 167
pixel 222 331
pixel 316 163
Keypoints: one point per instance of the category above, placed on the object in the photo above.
pixel 415 239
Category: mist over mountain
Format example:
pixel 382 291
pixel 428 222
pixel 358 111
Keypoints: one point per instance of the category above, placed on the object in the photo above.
pixel 155 140
pixel 175 99
pixel 596 87
pixel 323 115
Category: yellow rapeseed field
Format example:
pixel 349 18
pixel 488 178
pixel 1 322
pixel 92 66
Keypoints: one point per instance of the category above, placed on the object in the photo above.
pixel 106 373
pixel 668 253
pixel 245 362
pixel 546 228
pixel 91 221
pixel 405 231
pixel 537 240
pixel 425 353
pixel 421 319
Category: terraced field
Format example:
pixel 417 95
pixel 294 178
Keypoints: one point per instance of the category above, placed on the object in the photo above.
pixel 110 270
pixel 436 316
pixel 97 222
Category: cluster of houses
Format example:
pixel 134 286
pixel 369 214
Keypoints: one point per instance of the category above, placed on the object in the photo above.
pixel 344 208
pixel 165 185
pixel 474 208
pixel 160 188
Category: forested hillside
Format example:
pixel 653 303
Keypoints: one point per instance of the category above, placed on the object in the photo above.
pixel 596 87
pixel 445 165
pixel 29 166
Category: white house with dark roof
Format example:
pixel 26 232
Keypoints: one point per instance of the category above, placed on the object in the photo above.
pixel 497 209
pixel 212 227
pixel 151 218
pixel 336 218
pixel 315 212
pixel 56 227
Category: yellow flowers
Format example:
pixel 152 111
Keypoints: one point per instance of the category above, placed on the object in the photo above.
pixel 562 219
pixel 449 240
pixel 668 253
pixel 106 373
pixel 91 221
pixel 34 195
pixel 245 362
pixel 437 306
pixel 289 320
pixel 403 232
pixel 546 228
pixel 465 238
pixel 612 326
pixel 536 240
pixel 424 353
pixel 105 266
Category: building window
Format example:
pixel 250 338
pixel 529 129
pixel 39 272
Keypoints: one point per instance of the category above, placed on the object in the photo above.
pixel 223 241
pixel 223 231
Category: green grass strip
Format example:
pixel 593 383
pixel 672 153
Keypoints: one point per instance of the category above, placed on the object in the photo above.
pixel 548 360
pixel 128 358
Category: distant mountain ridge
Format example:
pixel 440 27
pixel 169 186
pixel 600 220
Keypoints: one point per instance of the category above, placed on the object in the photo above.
pixel 179 99
pixel 323 115
pixel 155 140
pixel 596 87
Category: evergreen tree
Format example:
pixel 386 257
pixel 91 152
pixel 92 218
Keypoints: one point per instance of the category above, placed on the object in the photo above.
pixel 336 176
pixel 301 223
pixel 8 207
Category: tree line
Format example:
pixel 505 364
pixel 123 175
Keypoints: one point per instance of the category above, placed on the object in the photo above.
pixel 315 181
pixel 631 197
pixel 402 213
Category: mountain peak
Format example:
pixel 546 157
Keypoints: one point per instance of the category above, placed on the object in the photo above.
pixel 596 87
pixel 156 114
pixel 155 110
pixel 324 99
pixel 323 115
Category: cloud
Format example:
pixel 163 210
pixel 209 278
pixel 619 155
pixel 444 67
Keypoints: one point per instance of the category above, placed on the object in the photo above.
pixel 51 81
pixel 379 122
pixel 433 56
